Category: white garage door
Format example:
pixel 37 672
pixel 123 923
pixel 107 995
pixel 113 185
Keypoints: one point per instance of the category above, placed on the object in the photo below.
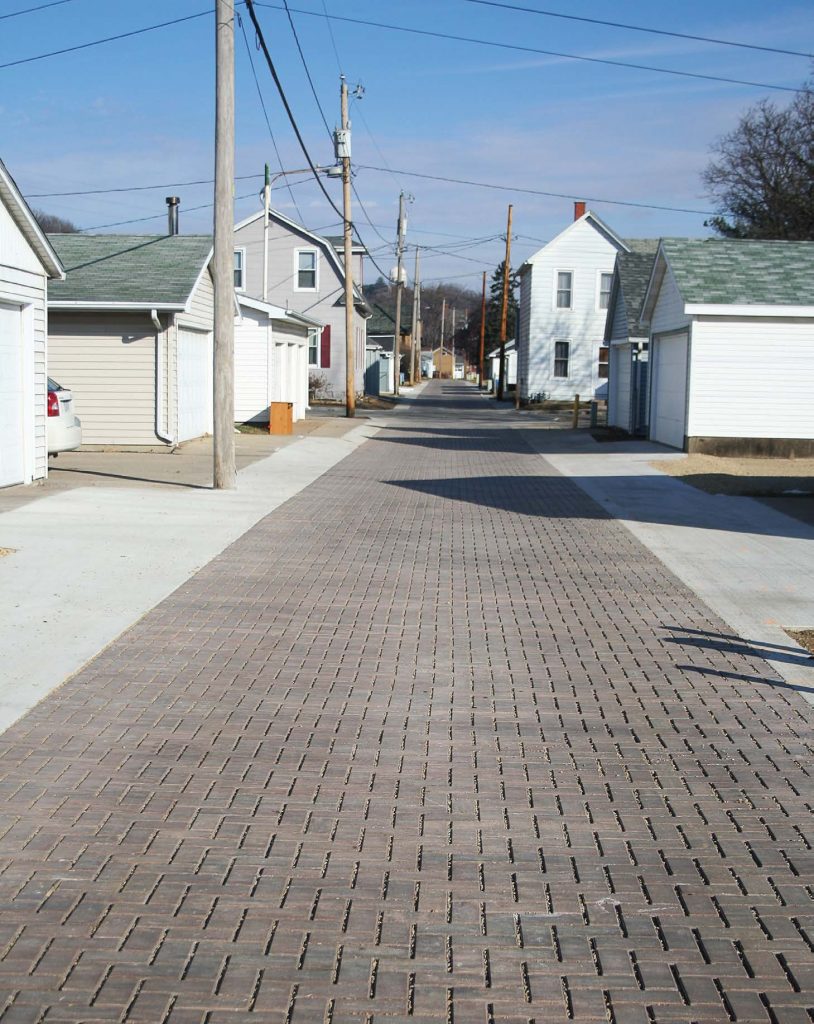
pixel 194 384
pixel 669 390
pixel 12 463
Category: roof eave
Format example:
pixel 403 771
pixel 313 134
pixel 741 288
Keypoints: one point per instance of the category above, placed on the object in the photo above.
pixel 27 223
pixel 746 309
pixel 78 304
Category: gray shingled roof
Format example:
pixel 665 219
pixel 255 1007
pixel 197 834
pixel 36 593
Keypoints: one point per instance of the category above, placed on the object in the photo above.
pixel 634 270
pixel 742 272
pixel 159 270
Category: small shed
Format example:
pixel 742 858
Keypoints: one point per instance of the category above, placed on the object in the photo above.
pixel 130 333
pixel 27 263
pixel 732 346
pixel 493 363
pixel 627 337
pixel 272 348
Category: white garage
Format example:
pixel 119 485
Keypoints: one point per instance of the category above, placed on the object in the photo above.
pixel 668 390
pixel 194 384
pixel 27 261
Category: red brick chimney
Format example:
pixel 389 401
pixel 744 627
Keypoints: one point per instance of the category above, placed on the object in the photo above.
pixel 579 210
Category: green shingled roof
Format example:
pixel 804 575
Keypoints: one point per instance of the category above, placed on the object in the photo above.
pixel 159 270
pixel 742 272
pixel 634 270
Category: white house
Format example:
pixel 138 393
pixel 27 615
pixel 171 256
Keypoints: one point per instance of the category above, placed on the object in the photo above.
pixel 510 360
pixel 130 333
pixel 304 273
pixel 27 262
pixel 627 337
pixel 272 348
pixel 732 346
pixel 564 295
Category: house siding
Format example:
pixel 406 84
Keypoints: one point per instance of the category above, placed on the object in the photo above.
pixel 320 304
pixel 618 323
pixel 200 311
pixel 586 253
pixel 23 283
pixel 668 312
pixel 752 378
pixel 108 361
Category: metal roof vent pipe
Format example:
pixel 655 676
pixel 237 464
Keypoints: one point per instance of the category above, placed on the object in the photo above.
pixel 173 202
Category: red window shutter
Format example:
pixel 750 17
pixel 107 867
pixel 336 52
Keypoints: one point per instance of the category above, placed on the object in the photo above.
pixel 325 347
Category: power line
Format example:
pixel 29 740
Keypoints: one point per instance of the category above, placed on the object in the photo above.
pixel 307 71
pixel 532 49
pixel 266 115
pixel 106 39
pixel 639 28
pixel 132 188
pixel 30 10
pixel 536 191
pixel 157 216
pixel 331 34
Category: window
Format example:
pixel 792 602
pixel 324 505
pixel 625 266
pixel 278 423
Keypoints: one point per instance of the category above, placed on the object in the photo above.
pixel 307 269
pixel 605 283
pixel 562 350
pixel 603 362
pixel 240 269
pixel 564 289
pixel 313 348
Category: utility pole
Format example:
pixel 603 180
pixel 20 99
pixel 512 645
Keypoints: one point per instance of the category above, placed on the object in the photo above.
pixel 415 356
pixel 399 290
pixel 223 399
pixel 266 205
pixel 501 381
pixel 453 342
pixel 443 321
pixel 343 151
pixel 482 332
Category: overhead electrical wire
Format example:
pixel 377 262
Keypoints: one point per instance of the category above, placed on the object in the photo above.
pixel 532 49
pixel 265 114
pixel 536 191
pixel 31 10
pixel 639 28
pixel 157 216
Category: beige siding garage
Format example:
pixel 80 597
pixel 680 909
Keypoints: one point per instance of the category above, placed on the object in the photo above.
pixel 109 363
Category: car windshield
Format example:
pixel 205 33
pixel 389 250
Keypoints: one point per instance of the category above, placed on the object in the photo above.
pixel 53 386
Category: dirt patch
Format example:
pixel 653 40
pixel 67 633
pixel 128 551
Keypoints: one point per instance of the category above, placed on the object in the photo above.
pixel 6 551
pixel 750 477
pixel 804 637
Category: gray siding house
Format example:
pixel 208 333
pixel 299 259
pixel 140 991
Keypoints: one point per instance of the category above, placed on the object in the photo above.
pixel 130 333
pixel 306 275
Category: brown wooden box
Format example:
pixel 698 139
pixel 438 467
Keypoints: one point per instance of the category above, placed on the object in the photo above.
pixel 281 418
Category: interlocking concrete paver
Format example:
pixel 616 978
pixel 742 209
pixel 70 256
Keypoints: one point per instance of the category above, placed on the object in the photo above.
pixel 420 746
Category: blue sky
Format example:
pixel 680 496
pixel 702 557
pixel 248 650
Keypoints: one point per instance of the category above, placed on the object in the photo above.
pixel 140 112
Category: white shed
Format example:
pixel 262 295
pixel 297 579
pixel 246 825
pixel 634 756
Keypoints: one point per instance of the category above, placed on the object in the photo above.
pixel 27 262
pixel 510 356
pixel 732 346
pixel 130 333
pixel 272 348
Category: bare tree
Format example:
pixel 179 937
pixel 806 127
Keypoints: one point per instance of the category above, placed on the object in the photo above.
pixel 50 223
pixel 762 173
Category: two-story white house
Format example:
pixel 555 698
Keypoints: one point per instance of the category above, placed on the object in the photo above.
pixel 305 274
pixel 565 290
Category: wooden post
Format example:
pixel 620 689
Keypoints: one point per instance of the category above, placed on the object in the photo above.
pixel 350 340
pixel 482 332
pixel 504 308
pixel 399 289
pixel 575 423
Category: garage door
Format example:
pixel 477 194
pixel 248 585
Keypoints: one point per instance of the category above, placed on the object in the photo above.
pixel 12 463
pixel 669 391
pixel 194 384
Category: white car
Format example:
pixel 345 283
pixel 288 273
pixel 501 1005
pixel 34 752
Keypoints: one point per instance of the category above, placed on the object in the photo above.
pixel 64 429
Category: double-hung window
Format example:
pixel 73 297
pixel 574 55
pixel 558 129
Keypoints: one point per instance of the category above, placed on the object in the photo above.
pixel 240 270
pixel 562 355
pixel 307 269
pixel 605 283
pixel 565 289
pixel 313 348
pixel 603 362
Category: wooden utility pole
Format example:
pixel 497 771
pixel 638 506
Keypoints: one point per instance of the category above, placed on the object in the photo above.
pixel 482 332
pixel 504 308
pixel 452 345
pixel 343 150
pixel 415 355
pixel 443 324
pixel 399 290
pixel 224 474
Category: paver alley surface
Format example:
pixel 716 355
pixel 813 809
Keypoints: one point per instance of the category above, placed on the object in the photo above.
pixel 435 741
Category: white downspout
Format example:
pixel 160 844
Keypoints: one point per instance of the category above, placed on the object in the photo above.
pixel 159 389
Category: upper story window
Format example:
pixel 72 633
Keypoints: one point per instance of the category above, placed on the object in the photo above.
pixel 307 269
pixel 565 289
pixel 240 269
pixel 605 284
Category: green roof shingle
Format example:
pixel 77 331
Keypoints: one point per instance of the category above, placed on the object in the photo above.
pixel 634 270
pixel 741 271
pixel 157 269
